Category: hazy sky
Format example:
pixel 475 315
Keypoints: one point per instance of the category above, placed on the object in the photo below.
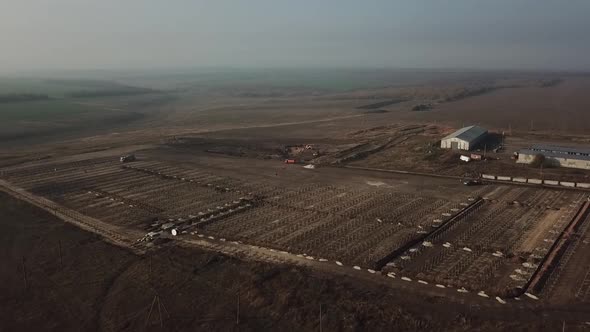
pixel 101 34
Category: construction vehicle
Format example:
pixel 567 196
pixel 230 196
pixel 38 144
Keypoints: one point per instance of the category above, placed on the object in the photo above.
pixel 128 158
pixel 465 158
pixel 472 182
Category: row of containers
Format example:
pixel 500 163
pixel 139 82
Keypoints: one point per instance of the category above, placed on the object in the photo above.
pixel 537 181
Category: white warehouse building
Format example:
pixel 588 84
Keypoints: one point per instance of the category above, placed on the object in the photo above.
pixel 557 156
pixel 464 138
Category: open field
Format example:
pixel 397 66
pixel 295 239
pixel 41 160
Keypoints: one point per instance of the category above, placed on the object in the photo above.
pixel 554 109
pixel 210 208
pixel 37 120
pixel 186 103
pixel 39 112
pixel 36 86
pixel 62 88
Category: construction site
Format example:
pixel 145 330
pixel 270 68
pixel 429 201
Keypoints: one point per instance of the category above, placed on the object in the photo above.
pixel 503 242
pixel 336 211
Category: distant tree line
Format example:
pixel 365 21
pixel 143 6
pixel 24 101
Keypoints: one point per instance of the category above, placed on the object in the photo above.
pixel 382 104
pixel 550 83
pixel 111 92
pixel 422 108
pixel 82 83
pixel 472 92
pixel 21 97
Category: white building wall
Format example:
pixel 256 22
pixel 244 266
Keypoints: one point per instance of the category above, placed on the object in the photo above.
pixel 525 158
pixel 448 143
pixel 562 162
pixel 462 144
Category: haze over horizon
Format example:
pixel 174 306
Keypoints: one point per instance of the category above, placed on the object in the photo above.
pixel 84 34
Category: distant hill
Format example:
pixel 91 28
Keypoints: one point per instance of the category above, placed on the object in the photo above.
pixel 21 97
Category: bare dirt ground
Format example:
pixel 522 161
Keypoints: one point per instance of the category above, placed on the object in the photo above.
pixel 539 231
pixel 553 109
pixel 96 286
pixel 359 218
pixel 212 163
pixel 66 274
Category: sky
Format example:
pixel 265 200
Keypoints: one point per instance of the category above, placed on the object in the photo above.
pixel 138 34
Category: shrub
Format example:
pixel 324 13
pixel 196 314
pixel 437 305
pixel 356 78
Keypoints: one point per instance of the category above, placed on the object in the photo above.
pixel 538 160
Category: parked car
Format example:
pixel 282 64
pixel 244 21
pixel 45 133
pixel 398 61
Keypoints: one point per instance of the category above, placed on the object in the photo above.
pixel 472 182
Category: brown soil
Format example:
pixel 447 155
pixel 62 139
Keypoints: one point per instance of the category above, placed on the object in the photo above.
pixel 102 287
pixel 535 236
pixel 225 140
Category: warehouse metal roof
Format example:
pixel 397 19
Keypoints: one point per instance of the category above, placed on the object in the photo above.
pixel 468 133
pixel 561 149
pixel 554 154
